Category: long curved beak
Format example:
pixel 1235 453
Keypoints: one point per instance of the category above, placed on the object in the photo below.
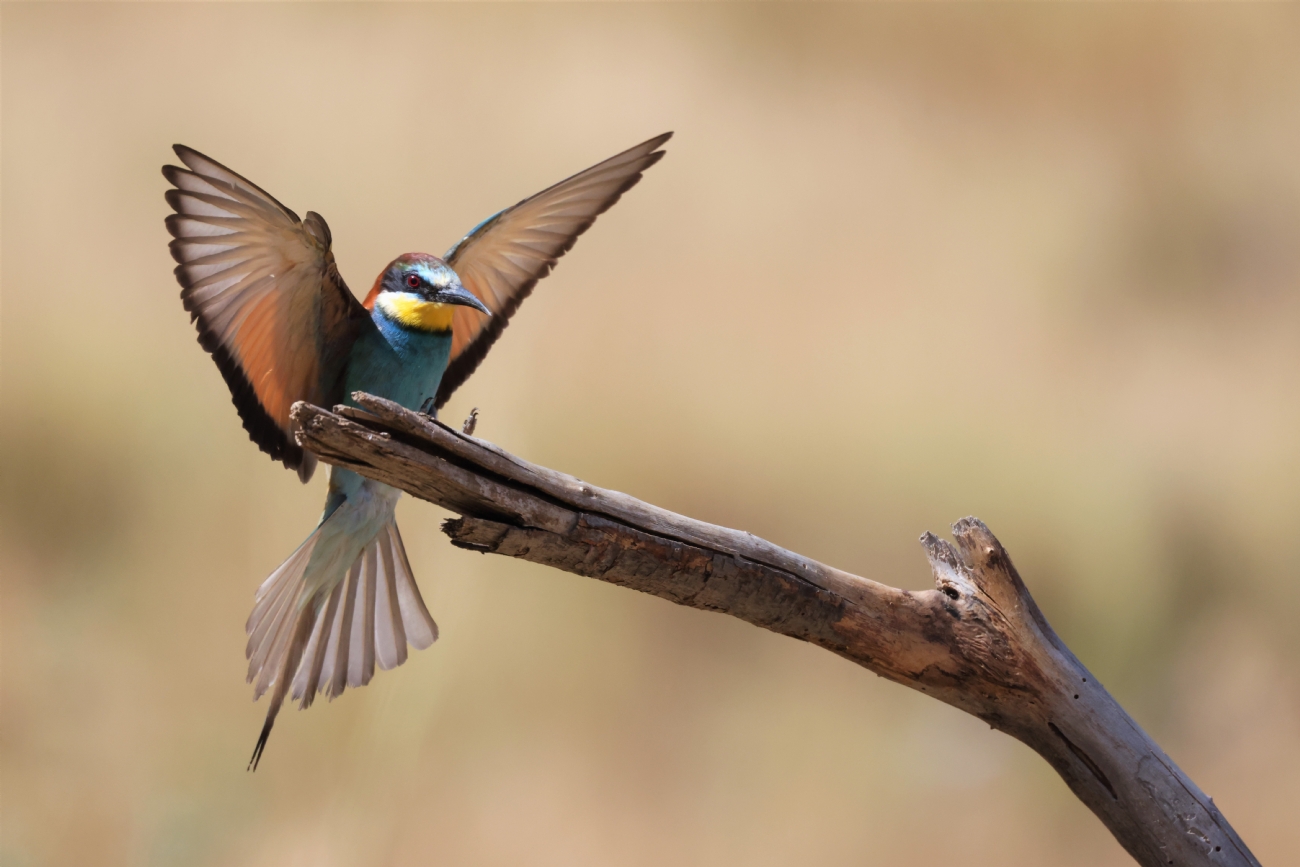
pixel 460 295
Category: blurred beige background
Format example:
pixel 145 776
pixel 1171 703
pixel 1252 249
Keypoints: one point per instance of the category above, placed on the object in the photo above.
pixel 900 265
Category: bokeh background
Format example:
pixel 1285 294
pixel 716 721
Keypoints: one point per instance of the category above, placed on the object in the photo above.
pixel 901 265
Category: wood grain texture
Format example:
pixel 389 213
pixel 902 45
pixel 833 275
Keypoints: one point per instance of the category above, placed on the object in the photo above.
pixel 977 641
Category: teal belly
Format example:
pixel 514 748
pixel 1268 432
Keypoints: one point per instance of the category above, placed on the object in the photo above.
pixel 394 363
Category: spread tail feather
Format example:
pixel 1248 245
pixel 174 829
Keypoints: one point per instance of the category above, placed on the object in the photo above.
pixel 332 642
pixel 301 632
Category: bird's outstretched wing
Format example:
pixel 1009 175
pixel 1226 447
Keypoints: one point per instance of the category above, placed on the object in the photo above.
pixel 262 288
pixel 502 258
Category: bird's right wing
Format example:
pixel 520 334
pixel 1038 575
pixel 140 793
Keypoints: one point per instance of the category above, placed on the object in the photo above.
pixel 262 288
pixel 502 258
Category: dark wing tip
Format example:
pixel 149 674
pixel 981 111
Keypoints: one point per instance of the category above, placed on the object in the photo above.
pixel 649 147
pixel 188 154
pixel 194 161
pixel 172 222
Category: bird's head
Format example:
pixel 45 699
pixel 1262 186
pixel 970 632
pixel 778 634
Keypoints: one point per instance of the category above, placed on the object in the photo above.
pixel 420 292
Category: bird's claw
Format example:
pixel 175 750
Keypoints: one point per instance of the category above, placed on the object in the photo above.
pixel 427 408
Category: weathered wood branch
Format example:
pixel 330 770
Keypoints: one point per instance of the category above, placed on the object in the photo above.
pixel 978 641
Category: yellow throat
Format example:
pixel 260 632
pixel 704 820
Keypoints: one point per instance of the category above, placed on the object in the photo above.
pixel 415 313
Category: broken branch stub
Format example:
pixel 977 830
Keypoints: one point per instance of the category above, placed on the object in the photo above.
pixel 978 641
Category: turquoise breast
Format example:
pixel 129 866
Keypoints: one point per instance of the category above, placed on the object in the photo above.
pixel 400 364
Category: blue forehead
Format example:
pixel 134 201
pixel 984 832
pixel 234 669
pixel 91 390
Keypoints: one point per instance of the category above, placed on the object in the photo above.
pixel 436 274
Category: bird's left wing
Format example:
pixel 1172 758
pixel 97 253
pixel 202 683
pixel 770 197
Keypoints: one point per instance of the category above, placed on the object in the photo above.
pixel 502 258
pixel 262 288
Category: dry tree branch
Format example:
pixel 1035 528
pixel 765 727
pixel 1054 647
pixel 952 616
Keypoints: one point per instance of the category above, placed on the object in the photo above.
pixel 978 641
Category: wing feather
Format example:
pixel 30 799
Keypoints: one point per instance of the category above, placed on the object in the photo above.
pixel 266 297
pixel 502 258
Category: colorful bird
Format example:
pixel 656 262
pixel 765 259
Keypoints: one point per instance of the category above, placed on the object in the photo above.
pixel 263 290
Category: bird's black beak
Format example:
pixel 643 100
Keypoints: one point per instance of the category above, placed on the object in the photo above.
pixel 460 295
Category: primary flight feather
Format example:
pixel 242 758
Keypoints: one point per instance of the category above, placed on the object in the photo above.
pixel 265 294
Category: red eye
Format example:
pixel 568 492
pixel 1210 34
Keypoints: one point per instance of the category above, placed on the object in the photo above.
pixel 412 281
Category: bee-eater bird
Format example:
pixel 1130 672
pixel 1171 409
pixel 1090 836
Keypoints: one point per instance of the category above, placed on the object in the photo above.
pixel 262 287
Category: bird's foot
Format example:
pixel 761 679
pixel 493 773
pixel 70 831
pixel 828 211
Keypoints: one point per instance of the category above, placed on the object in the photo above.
pixel 470 423
pixel 427 408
